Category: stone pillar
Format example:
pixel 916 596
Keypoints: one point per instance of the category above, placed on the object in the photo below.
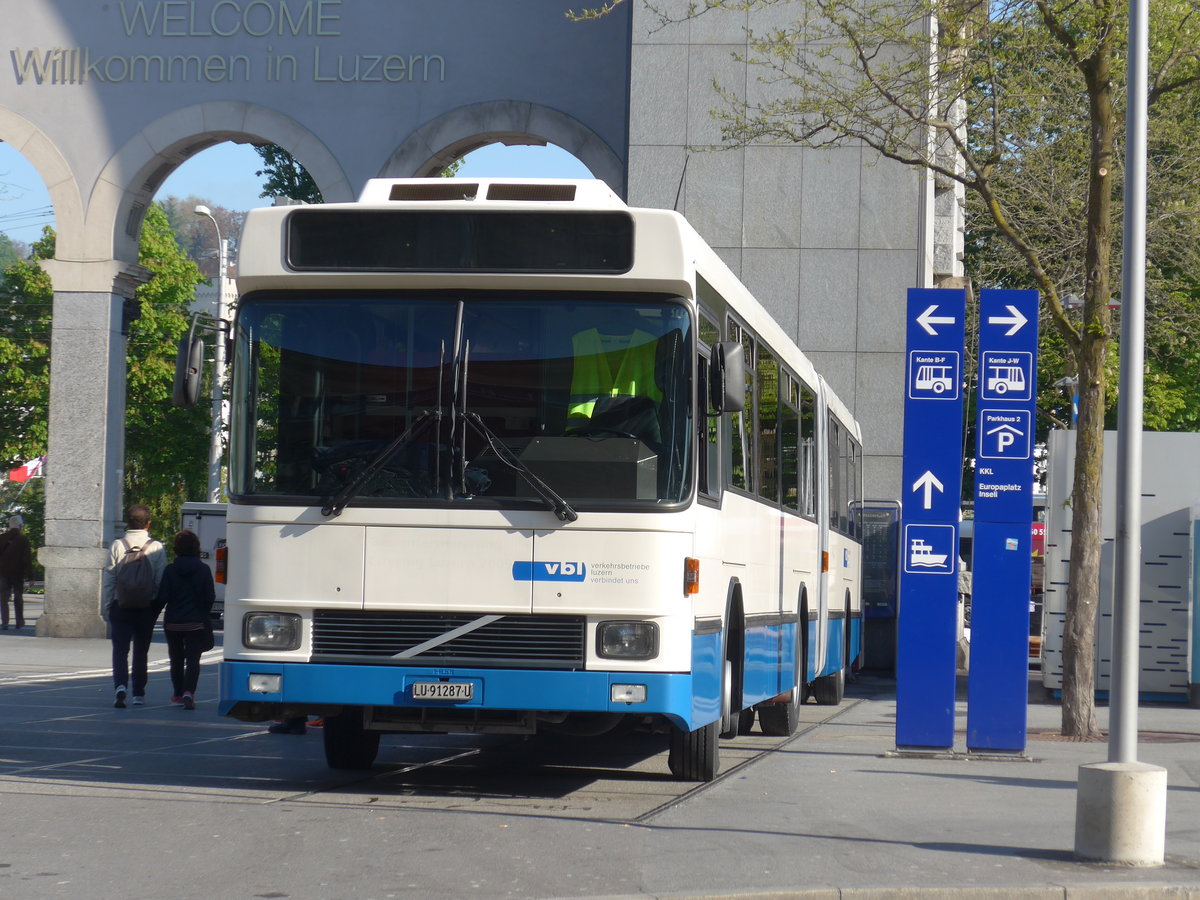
pixel 86 451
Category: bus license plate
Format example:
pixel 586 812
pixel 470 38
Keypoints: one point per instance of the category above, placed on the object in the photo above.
pixel 443 690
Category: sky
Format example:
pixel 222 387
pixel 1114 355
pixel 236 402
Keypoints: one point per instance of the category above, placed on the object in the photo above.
pixel 224 176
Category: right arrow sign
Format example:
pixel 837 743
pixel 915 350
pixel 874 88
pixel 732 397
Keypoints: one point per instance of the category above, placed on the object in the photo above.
pixel 1014 318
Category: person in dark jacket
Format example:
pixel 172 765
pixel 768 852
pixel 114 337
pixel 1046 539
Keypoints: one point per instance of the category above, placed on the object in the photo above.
pixel 16 564
pixel 187 595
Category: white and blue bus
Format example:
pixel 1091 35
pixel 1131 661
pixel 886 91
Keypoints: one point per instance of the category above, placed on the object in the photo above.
pixel 511 456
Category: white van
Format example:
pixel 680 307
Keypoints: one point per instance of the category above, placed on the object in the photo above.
pixel 207 522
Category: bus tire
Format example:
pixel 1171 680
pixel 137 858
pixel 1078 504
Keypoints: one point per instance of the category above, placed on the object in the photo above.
pixel 781 719
pixel 746 721
pixel 828 690
pixel 348 745
pixel 695 755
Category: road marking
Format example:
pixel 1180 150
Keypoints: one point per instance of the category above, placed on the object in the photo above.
pixel 160 665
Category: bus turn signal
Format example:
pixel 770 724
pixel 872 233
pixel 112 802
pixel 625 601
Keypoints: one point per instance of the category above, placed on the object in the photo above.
pixel 221 555
pixel 691 576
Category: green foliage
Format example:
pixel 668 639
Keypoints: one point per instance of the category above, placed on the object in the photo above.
pixel 166 448
pixel 10 252
pixel 26 299
pixel 285 176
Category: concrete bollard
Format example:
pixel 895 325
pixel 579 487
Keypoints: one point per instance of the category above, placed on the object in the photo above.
pixel 1121 813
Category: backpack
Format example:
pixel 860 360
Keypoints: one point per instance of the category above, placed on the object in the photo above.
pixel 135 578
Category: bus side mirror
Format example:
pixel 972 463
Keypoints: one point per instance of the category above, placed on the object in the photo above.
pixel 189 362
pixel 727 377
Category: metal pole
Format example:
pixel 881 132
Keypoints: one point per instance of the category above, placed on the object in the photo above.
pixel 1122 741
pixel 216 450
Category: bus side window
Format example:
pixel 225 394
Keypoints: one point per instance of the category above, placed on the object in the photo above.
pixel 768 425
pixel 741 424
pixel 708 423
pixel 808 452
pixel 789 442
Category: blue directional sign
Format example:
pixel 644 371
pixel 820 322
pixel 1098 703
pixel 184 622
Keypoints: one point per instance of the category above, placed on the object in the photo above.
pixel 1002 556
pixel 926 646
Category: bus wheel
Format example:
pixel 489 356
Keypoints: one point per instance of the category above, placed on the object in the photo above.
pixel 347 744
pixel 828 690
pixel 781 719
pixel 695 755
pixel 746 721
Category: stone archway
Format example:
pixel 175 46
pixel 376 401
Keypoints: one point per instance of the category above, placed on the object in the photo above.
pixel 41 153
pixel 95 271
pixel 437 144
pixel 128 183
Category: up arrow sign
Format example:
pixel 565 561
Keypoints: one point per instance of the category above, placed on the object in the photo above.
pixel 928 482
pixel 927 320
pixel 1016 320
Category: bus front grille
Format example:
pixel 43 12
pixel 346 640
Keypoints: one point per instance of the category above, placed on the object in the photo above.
pixel 408 638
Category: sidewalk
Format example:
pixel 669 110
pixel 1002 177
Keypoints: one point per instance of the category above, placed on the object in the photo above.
pixel 832 814
pixel 24 656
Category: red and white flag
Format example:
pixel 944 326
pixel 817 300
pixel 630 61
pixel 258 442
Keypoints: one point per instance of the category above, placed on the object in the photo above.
pixel 31 469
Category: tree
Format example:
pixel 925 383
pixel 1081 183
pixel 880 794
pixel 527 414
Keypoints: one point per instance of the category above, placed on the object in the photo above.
pixel 166 448
pixel 285 176
pixel 1020 102
pixel 196 235
pixel 26 298
pixel 10 251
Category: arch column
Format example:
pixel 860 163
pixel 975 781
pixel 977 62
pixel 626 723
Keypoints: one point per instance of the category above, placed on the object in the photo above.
pixel 86 450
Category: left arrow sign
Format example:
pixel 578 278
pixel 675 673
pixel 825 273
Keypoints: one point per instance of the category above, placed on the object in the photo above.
pixel 927 320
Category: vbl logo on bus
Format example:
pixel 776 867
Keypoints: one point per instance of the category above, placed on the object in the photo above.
pixel 549 571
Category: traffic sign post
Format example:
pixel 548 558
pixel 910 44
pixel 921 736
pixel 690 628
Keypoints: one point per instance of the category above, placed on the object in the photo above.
pixel 997 687
pixel 926 646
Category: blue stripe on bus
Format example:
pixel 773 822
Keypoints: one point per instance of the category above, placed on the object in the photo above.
pixel 689 700
pixel 669 694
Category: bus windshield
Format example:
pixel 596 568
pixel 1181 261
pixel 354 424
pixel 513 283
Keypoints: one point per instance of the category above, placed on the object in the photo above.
pixel 440 397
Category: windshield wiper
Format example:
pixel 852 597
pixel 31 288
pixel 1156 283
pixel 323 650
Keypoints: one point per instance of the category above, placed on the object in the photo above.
pixel 561 507
pixel 335 504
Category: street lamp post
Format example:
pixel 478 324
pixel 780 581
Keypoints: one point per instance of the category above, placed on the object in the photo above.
pixel 216 444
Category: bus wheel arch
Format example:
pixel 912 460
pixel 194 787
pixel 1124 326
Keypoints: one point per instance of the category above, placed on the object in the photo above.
pixel 733 662
pixel 829 690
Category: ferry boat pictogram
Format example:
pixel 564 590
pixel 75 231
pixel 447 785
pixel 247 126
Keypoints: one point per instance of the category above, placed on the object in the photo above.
pixel 921 554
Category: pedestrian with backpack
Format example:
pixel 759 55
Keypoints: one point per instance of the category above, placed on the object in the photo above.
pixel 130 584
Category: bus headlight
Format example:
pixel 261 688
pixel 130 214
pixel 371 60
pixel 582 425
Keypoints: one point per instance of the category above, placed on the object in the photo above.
pixel 627 640
pixel 271 631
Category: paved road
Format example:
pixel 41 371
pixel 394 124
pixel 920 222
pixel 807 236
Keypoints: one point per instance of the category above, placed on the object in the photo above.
pixel 160 802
